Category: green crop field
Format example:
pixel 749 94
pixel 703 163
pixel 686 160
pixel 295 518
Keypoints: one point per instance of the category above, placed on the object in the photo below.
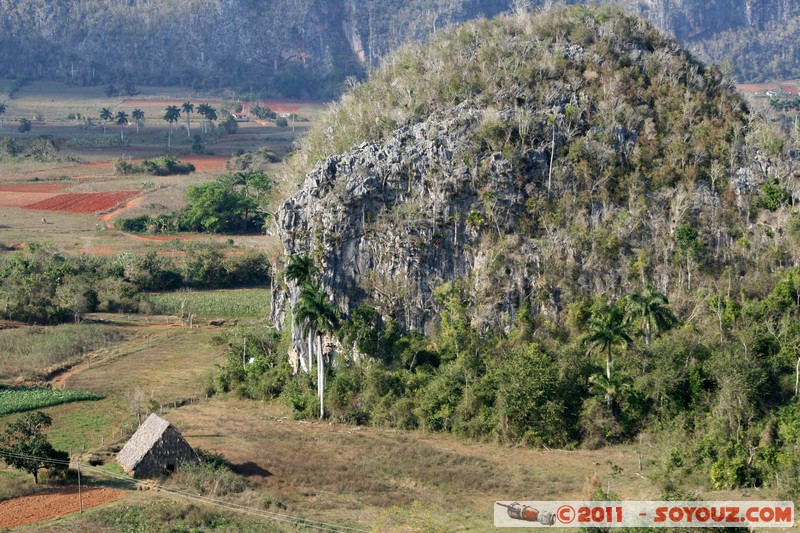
pixel 18 399
pixel 32 352
pixel 241 303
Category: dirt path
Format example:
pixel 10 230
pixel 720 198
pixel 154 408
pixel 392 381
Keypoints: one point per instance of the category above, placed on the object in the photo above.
pixel 109 216
pixel 52 503
pixel 112 213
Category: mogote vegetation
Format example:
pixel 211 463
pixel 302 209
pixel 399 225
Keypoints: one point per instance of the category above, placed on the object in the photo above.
pixel 547 256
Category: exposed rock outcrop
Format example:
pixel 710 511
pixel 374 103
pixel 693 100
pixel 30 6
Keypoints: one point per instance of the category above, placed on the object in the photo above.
pixel 284 45
pixel 393 221
pixel 534 181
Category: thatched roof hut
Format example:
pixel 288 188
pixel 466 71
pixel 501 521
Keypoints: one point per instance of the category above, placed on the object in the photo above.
pixel 157 448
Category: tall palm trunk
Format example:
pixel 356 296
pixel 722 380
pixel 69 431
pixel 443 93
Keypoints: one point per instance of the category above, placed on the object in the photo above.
pixel 608 375
pixel 310 349
pixel 321 380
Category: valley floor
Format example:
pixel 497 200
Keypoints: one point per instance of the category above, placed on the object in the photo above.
pixel 370 478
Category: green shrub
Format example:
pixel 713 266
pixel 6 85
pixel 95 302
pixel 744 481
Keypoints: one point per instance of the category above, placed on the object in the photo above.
pixel 138 224
pixel 123 167
pixel 300 395
pixel 773 197
pixel 731 472
pixel 167 166
pixel 211 479
pixel 230 125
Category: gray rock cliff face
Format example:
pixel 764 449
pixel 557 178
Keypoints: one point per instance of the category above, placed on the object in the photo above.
pixel 690 19
pixel 183 41
pixel 391 222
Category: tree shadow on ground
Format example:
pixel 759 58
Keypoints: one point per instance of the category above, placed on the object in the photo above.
pixel 250 469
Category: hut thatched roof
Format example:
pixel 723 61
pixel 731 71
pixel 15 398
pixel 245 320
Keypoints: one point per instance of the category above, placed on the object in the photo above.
pixel 142 441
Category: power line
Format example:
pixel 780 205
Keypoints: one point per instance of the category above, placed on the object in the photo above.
pixel 279 517
pixel 205 499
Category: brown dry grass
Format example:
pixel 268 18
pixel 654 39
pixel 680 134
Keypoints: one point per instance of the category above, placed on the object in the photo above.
pixel 388 477
pixel 167 362
pixel 21 199
pixel 381 479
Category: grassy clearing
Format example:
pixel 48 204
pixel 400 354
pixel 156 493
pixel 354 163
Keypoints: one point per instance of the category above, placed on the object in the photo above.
pixel 14 483
pixel 394 480
pixel 145 512
pixel 90 425
pixel 166 363
pixel 19 399
pixel 31 352
pixel 240 303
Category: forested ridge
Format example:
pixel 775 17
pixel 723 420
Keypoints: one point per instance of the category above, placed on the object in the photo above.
pixel 309 47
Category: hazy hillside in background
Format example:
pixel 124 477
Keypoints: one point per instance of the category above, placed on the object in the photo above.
pixel 308 47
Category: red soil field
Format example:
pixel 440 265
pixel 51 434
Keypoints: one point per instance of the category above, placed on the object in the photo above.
pixel 96 165
pixel 52 503
pixel 206 163
pixel 22 199
pixel 282 105
pixel 754 87
pixel 89 202
pixel 34 187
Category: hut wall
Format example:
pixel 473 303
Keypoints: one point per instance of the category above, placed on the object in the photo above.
pixel 171 450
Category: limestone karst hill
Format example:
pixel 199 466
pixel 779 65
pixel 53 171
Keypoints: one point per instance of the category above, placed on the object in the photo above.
pixel 534 159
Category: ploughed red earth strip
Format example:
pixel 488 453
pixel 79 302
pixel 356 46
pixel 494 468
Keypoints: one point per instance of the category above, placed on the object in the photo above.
pixel 34 187
pixel 86 202
pixel 52 503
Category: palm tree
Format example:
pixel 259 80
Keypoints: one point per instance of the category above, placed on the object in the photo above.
pixel 202 110
pixel 253 185
pixel 105 115
pixel 600 384
pixel 318 317
pixel 137 115
pixel 606 328
pixel 188 108
pixel 171 115
pixel 652 309
pixel 301 270
pixel 2 111
pixel 211 114
pixel 122 120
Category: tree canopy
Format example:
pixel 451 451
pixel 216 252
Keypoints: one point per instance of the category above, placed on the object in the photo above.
pixel 24 445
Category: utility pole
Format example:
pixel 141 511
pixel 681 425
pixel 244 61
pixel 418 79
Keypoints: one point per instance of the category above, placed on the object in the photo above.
pixel 80 495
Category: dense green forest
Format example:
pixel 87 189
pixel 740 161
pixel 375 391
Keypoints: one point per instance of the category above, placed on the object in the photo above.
pixel 309 47
pixel 41 286
pixel 621 240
